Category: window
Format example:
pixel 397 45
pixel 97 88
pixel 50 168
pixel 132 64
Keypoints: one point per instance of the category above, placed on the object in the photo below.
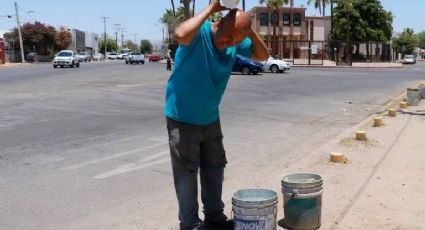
pixel 297 19
pixel 286 19
pixel 275 19
pixel 264 19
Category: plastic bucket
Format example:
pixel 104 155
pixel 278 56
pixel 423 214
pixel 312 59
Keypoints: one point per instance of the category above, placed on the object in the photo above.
pixel 302 195
pixel 413 97
pixel 422 90
pixel 254 209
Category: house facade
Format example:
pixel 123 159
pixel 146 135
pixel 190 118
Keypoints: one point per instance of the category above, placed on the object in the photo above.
pixel 288 31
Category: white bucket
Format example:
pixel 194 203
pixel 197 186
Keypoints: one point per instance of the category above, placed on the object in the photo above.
pixel 302 195
pixel 254 209
pixel 229 4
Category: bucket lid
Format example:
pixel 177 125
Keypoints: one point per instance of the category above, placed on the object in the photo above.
pixel 302 180
pixel 254 197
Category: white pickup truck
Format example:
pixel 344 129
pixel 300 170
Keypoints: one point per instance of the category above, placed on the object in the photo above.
pixel 135 57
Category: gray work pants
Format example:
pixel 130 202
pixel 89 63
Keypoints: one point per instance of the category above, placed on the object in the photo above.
pixel 194 148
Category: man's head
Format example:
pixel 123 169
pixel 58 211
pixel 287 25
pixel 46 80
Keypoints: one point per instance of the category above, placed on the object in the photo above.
pixel 232 29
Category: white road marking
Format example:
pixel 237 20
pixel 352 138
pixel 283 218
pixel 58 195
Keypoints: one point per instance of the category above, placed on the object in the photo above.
pixel 95 161
pixel 135 166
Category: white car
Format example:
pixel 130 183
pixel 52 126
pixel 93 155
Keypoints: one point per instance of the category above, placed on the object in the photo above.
pixel 409 59
pixel 276 65
pixel 98 57
pixel 112 56
pixel 66 58
pixel 135 57
pixel 84 56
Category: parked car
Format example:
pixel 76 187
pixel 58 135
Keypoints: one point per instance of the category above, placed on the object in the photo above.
pixel 154 57
pixel 112 56
pixel 409 59
pixel 247 66
pixel 276 65
pixel 135 57
pixel 31 57
pixel 66 58
pixel 84 56
pixel 98 57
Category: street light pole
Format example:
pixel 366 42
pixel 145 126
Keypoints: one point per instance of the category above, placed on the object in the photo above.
pixel 21 44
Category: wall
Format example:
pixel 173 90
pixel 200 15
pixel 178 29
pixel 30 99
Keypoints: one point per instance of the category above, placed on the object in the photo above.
pixel 2 52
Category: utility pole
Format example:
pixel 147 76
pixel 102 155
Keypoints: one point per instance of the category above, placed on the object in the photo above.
pixel 122 35
pixel 21 44
pixel 117 29
pixel 104 35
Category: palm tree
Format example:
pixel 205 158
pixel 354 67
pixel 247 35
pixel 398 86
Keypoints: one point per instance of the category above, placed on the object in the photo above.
pixel 273 5
pixel 319 4
pixel 174 8
pixel 193 7
pixel 186 5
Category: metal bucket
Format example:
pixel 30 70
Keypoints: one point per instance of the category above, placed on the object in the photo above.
pixel 413 97
pixel 254 209
pixel 302 194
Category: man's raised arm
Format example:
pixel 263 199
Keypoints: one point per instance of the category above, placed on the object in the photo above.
pixel 188 29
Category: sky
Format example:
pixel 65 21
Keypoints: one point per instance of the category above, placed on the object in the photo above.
pixel 141 17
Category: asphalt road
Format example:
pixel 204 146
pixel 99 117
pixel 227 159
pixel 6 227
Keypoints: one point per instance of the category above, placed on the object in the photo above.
pixel 86 148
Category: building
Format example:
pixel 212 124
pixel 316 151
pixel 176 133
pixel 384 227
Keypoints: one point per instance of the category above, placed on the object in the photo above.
pixel 91 43
pixel 84 41
pixel 289 33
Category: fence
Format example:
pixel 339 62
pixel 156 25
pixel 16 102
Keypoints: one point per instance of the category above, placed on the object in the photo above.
pixel 315 52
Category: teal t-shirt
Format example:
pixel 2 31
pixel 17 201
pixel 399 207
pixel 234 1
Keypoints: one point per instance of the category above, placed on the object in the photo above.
pixel 200 75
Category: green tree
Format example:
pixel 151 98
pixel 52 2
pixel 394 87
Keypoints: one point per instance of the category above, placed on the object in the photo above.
pixel 146 46
pixel 172 20
pixel 110 45
pixel 361 21
pixel 406 42
pixel 420 37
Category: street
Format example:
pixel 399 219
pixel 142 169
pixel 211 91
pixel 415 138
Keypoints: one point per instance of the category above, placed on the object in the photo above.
pixel 86 148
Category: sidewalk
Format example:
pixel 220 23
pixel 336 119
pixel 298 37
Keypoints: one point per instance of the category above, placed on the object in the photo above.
pixel 8 64
pixel 332 64
pixel 381 186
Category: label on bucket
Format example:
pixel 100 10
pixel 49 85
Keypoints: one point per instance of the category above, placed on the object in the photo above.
pixel 241 224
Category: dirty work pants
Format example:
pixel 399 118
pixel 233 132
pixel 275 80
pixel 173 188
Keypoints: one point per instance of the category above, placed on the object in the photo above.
pixel 196 148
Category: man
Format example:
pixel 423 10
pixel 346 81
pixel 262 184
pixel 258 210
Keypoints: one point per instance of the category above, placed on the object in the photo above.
pixel 203 63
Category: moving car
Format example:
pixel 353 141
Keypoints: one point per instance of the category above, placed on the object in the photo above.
pixel 409 59
pixel 247 66
pixel 98 57
pixel 112 56
pixel 154 57
pixel 66 58
pixel 123 53
pixel 84 56
pixel 135 57
pixel 276 65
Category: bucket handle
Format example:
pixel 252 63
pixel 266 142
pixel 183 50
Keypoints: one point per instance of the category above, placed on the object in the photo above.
pixel 295 194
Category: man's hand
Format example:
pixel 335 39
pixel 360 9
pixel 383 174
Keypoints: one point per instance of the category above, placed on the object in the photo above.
pixel 216 6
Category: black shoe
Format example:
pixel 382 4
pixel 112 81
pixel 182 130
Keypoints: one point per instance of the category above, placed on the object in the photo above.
pixel 197 226
pixel 218 224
